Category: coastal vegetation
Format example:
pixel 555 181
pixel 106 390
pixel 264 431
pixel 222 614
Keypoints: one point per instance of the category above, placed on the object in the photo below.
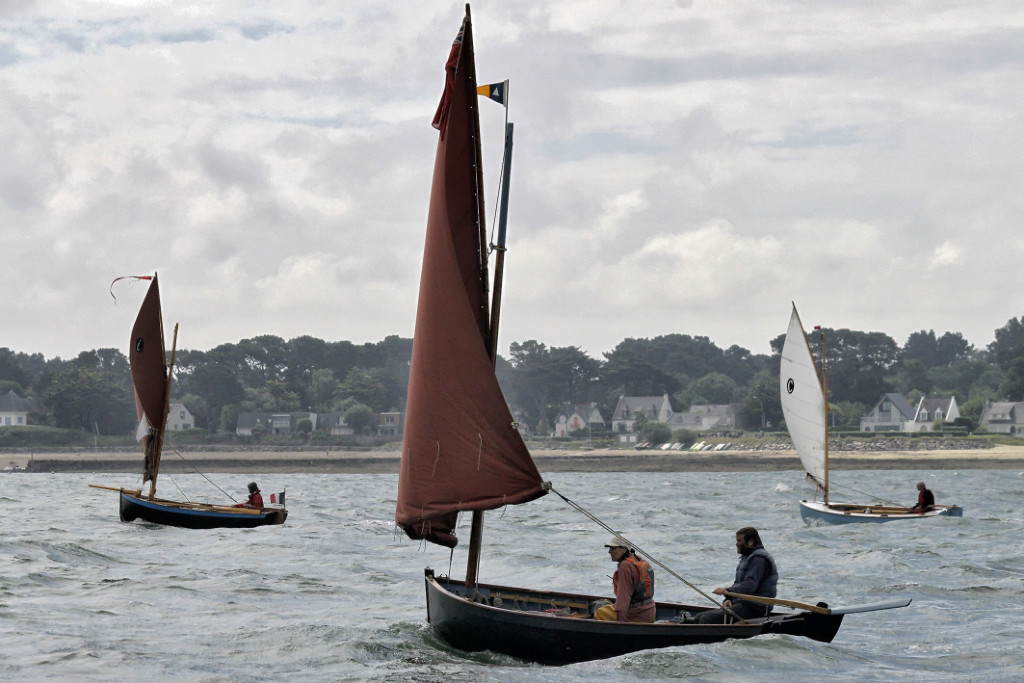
pixel 91 394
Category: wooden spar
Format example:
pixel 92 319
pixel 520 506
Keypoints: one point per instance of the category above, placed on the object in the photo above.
pixel 499 247
pixel 133 492
pixel 477 528
pixel 163 419
pixel 778 601
pixel 824 392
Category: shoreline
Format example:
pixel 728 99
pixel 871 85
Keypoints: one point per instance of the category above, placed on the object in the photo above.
pixel 603 460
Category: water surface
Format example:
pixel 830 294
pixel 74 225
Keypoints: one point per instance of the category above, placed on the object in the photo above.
pixel 335 595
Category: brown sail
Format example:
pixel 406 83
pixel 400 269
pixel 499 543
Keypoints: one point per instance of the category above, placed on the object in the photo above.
pixel 149 377
pixel 462 451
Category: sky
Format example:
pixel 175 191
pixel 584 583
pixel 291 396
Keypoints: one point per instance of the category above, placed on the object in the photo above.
pixel 679 167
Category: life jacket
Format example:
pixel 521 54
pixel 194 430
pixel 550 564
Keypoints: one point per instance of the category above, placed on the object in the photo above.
pixel 643 592
pixel 769 584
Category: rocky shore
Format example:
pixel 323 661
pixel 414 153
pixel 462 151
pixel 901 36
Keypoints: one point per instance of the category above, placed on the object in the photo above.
pixel 885 454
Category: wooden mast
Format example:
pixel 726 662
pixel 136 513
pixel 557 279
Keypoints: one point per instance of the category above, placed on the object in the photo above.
pixel 477 529
pixel 163 419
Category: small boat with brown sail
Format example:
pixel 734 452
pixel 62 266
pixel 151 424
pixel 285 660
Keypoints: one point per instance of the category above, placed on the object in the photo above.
pixel 462 451
pixel 804 397
pixel 151 378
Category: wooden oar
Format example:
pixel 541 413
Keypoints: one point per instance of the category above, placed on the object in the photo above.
pixel 777 601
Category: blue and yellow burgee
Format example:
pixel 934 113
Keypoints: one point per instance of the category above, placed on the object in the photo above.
pixel 495 91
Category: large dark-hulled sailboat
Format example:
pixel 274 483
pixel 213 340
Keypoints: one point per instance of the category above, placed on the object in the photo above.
pixel 463 453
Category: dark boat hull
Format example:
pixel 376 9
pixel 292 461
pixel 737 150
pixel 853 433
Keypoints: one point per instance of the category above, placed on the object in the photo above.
pixel 519 622
pixel 196 516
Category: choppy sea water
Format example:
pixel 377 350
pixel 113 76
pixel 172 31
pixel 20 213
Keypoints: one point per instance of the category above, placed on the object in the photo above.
pixel 335 595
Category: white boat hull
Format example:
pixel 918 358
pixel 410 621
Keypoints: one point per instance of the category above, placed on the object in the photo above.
pixel 816 513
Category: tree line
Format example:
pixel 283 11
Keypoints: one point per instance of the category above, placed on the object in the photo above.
pixel 93 391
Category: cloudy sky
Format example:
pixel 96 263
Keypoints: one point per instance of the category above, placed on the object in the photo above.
pixel 685 167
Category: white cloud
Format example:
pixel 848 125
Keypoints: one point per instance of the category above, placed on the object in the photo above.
pixel 680 166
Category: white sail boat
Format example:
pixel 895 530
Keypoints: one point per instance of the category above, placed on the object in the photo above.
pixel 805 406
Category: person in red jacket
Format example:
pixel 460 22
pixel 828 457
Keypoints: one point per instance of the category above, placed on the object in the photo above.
pixel 255 499
pixel 634 586
pixel 925 499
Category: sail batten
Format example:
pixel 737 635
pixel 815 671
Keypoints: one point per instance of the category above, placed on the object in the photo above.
pixel 803 402
pixel 461 451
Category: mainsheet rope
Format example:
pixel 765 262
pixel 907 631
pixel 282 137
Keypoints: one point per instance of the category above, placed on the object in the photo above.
pixel 576 506
pixel 199 472
pixel 832 487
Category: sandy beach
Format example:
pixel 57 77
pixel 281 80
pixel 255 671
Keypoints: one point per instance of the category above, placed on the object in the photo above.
pixel 597 460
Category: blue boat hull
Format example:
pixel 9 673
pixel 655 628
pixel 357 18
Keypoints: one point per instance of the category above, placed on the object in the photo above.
pixel 196 516
pixel 818 514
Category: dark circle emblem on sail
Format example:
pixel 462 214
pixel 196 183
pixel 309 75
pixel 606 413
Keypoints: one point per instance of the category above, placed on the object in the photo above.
pixel 790 385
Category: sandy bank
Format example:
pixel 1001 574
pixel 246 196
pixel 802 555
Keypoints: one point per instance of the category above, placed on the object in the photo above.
pixel 598 460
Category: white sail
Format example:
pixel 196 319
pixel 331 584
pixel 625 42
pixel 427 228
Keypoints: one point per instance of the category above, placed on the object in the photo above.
pixel 803 402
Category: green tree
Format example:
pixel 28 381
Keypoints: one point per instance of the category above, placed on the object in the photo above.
pixel 952 348
pixel 1009 343
pixel 1013 385
pixel 360 418
pixel 685 437
pixel 713 388
pixel 218 386
pixel 365 388
pixel 323 390
pixel 761 407
pixel 11 371
pixel 89 399
pixel 656 433
pixel 911 374
pixel 630 367
pixel 266 358
pixel 228 421
pixel 922 347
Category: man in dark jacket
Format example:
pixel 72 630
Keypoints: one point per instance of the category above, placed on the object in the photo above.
pixel 756 574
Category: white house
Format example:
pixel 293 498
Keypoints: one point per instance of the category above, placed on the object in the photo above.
pixel 179 418
pixel 1003 417
pixel 14 410
pixel 573 418
pixel 893 413
pixel 889 415
pixel 932 410
pixel 654 408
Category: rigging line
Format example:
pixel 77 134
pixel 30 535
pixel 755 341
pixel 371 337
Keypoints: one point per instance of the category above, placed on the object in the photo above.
pixel 212 483
pixel 643 552
pixel 497 202
pixel 869 495
pixel 168 476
